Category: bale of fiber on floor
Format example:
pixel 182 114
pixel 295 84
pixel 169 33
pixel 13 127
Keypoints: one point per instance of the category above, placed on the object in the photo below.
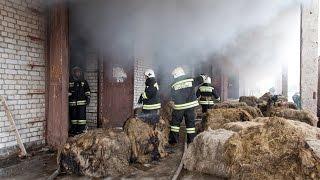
pixel 298 115
pixel 250 100
pixel 97 153
pixel 275 149
pixel 253 111
pixel 229 104
pixel 147 141
pixel 204 155
pixel 216 118
pixel 306 130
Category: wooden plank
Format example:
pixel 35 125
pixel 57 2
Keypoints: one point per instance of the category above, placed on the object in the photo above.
pixel 58 72
pixel 13 126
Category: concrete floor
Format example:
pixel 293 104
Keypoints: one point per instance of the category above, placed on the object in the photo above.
pixel 41 166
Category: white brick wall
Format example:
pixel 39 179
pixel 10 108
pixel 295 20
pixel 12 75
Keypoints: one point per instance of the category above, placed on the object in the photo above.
pixel 20 21
pixel 309 56
pixel 91 75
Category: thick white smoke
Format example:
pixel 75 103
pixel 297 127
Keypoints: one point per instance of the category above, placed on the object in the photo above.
pixel 255 35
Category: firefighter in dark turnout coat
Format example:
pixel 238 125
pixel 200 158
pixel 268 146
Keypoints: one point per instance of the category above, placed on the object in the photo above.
pixel 184 97
pixel 150 98
pixel 79 98
pixel 207 95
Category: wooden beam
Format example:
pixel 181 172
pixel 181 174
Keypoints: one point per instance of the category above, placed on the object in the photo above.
pixel 13 126
pixel 58 73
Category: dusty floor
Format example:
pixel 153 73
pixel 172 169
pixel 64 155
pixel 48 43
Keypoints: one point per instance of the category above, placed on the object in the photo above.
pixel 37 167
pixel 42 165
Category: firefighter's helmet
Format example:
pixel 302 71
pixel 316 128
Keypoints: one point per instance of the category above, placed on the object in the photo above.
pixel 207 80
pixel 149 73
pixel 178 72
pixel 76 68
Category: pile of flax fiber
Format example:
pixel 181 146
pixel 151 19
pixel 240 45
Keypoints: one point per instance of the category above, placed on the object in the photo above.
pixel 147 141
pixel 275 150
pixel 97 153
pixel 216 118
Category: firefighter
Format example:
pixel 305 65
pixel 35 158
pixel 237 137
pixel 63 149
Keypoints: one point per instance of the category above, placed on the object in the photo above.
pixel 79 98
pixel 207 95
pixel 184 97
pixel 150 97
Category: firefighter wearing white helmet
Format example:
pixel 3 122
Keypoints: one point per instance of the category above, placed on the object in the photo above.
pixel 150 97
pixel 185 100
pixel 207 95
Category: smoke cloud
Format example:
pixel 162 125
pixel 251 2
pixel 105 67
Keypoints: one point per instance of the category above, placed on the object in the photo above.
pixel 257 36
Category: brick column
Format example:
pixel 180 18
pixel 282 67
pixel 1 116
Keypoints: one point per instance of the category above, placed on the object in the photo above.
pixel 309 55
pixel 285 81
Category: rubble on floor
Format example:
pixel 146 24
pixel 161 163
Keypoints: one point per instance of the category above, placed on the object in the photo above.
pixel 97 153
pixel 147 141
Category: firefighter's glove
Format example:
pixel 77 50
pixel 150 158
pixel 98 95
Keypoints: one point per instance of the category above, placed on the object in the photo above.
pixel 88 101
pixel 140 99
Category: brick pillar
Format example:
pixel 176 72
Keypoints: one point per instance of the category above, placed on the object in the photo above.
pixel 309 55
pixel 57 121
pixel 224 87
pixel 285 81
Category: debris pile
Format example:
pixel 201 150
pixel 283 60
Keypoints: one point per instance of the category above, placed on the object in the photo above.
pixel 147 141
pixel 265 148
pixel 97 153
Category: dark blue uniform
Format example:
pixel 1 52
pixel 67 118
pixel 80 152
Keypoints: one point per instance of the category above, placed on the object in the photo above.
pixel 79 98
pixel 184 97
pixel 207 95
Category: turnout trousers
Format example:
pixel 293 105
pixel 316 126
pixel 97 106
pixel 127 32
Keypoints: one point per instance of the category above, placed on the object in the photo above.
pixel 206 107
pixel 177 117
pixel 78 119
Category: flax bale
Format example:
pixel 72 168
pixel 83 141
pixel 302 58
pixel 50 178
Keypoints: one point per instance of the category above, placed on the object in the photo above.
pixel 249 100
pixel 266 97
pixel 216 118
pixel 308 132
pixel 97 153
pixel 163 129
pixel 166 117
pixel 239 126
pixel 298 115
pixel 272 151
pixel 204 154
pixel 146 141
pixel 253 111
pixel 166 111
pixel 229 104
